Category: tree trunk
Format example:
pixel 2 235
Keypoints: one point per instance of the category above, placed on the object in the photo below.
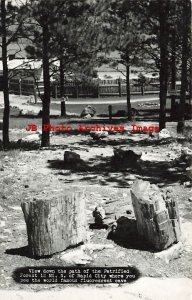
pixel 62 80
pixel 185 48
pixel 157 217
pixel 128 91
pixel 173 74
pixel 45 141
pixel 54 225
pixel 5 78
pixel 163 43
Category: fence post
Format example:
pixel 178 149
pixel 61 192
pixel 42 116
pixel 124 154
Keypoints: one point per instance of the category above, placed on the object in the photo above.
pixel 119 86
pixel 20 90
pixel 110 113
pixel 63 108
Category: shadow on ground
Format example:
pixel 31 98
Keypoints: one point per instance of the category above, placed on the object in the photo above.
pixel 101 170
pixel 126 235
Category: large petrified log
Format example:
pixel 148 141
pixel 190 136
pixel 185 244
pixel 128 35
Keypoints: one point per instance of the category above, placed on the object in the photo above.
pixel 55 224
pixel 156 214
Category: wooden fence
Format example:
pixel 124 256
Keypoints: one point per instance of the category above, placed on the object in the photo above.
pixel 76 90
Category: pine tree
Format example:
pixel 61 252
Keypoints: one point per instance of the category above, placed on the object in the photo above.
pixel 51 41
pixel 124 34
pixel 11 20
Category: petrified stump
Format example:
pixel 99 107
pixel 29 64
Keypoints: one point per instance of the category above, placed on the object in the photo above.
pixel 71 157
pixel 124 157
pixel 53 225
pixel 99 215
pixel 156 214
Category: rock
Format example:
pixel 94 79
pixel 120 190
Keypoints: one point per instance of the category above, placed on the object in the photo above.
pixel 76 257
pixel 97 135
pixel 164 134
pixel 125 157
pixel 187 184
pixel 96 247
pixel 34 137
pixel 99 215
pixel 71 157
pixel 1 208
pixel 171 253
pixel 88 116
pixel 190 200
pixel 88 110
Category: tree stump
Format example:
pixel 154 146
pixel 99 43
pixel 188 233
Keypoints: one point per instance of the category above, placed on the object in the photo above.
pixel 54 225
pixel 156 214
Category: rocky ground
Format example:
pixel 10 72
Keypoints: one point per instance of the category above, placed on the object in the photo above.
pixel 27 171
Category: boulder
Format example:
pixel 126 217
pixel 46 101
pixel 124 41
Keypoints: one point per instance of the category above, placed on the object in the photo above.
pixel 97 135
pixel 33 137
pixel 88 116
pixel 164 134
pixel 71 157
pixel 73 160
pixel 88 110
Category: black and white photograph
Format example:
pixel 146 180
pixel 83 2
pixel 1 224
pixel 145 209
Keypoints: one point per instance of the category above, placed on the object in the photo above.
pixel 95 149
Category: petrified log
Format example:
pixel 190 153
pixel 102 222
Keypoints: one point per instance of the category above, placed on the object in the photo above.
pixel 156 214
pixel 53 225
